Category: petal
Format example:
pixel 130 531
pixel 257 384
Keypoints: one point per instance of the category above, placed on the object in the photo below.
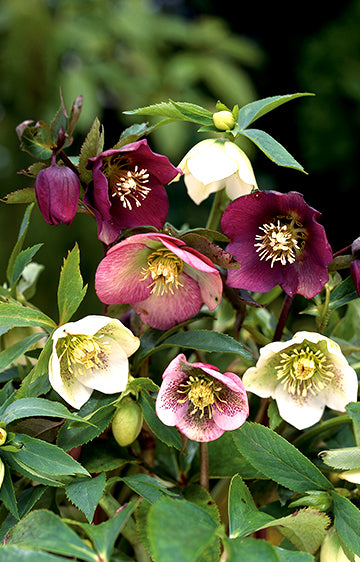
pixel 168 310
pixel 235 186
pixel 244 166
pixel 113 376
pixel 232 411
pixel 210 286
pixel 355 274
pixel 351 475
pixel 299 411
pixel 198 191
pixel 67 386
pixel 211 164
pixel 89 325
pixel 343 387
pixel 168 408
pixel 199 429
pixel 260 381
pixel 122 335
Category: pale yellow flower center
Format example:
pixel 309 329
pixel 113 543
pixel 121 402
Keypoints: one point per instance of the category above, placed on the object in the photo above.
pixel 164 268
pixel 303 371
pixel 128 185
pixel 202 394
pixel 81 353
pixel 280 241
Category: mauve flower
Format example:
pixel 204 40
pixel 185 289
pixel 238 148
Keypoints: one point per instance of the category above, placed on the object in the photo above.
pixel 57 192
pixel 278 241
pixel 90 354
pixel 128 189
pixel 303 375
pixel 355 264
pixel 215 164
pixel 164 281
pixel 200 401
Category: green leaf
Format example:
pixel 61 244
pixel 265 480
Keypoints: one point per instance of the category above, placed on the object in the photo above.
pixel 175 111
pixel 278 459
pixel 181 527
pixel 37 381
pixel 168 435
pixel 275 151
pixel 343 293
pixel 20 241
pixel 225 460
pixel 347 522
pixel 347 458
pixel 85 493
pixel 92 146
pixel 7 494
pixel 44 530
pixel 206 340
pixel 147 487
pixel 13 553
pixel 12 353
pixel 14 314
pixel 251 550
pixel 26 195
pixel 353 411
pixel 21 262
pixel 38 140
pixel 70 290
pixel 244 517
pixel 252 111
pixel 26 501
pixel 28 407
pixel 134 133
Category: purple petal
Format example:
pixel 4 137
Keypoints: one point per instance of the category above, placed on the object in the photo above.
pixel 355 274
pixel 168 408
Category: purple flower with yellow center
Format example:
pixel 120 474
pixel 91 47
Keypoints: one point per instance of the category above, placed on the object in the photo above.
pixel 128 189
pixel 200 401
pixel 278 241
pixel 164 281
pixel 303 375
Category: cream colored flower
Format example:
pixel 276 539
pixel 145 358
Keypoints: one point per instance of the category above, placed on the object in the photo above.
pixel 303 375
pixel 90 354
pixel 331 550
pixel 2 472
pixel 215 164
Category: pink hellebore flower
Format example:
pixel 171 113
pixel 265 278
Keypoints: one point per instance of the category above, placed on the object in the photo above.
pixel 278 241
pixel 200 401
pixel 303 375
pixel 128 189
pixel 164 281
pixel 355 264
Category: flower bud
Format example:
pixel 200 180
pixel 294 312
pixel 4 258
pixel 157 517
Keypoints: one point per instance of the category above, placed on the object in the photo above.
pixel 57 193
pixel 2 472
pixel 127 422
pixel 3 436
pixel 224 120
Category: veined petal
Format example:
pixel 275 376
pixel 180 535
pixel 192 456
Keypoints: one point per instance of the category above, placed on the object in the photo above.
pixel 233 409
pixel 299 411
pixel 198 191
pixel 67 386
pixel 199 429
pixel 210 285
pixel 112 375
pixel 123 336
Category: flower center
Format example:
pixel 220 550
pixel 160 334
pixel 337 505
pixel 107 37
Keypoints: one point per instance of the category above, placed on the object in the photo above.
pixel 128 185
pixel 202 393
pixel 81 353
pixel 280 241
pixel 303 371
pixel 164 268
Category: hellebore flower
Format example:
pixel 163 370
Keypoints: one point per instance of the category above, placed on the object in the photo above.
pixel 355 264
pixel 57 191
pixel 200 401
pixel 90 354
pixel 164 281
pixel 331 549
pixel 128 189
pixel 303 375
pixel 215 164
pixel 278 241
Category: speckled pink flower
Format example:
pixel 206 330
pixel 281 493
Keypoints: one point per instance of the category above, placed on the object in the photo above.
pixel 278 241
pixel 164 281
pixel 128 189
pixel 200 401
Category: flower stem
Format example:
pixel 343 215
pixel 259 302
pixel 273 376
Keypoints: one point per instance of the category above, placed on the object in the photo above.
pixel 218 206
pixel 283 317
pixel 204 466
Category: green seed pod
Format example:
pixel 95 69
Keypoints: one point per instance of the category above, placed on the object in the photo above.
pixel 224 120
pixel 127 422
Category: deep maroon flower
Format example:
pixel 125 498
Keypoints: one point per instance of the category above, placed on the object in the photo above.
pixel 164 281
pixel 355 264
pixel 128 189
pixel 57 192
pixel 278 241
pixel 200 401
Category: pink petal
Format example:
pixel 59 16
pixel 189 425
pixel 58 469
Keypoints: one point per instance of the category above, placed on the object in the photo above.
pixel 231 413
pixel 199 429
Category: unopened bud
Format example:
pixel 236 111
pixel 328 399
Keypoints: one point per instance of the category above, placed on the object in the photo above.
pixel 127 422
pixel 224 120
pixel 3 436
pixel 57 192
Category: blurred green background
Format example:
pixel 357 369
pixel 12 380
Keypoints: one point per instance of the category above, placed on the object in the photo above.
pixel 128 53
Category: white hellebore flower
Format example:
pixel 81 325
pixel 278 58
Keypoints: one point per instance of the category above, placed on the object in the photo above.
pixel 215 164
pixel 331 550
pixel 90 354
pixel 303 375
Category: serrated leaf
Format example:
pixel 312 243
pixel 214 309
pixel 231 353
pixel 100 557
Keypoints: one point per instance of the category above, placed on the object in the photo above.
pixel 347 458
pixel 38 140
pixel 12 353
pixel 253 110
pixel 175 111
pixel 278 459
pixel 13 553
pixel 85 493
pixel 206 340
pixel 19 242
pixel 29 407
pixel 343 293
pixel 21 261
pixel 25 502
pixel 70 290
pixel 275 151
pixel 133 134
pixel 147 487
pixel 12 314
pixel 347 522
pixel 26 195
pixel 251 550
pixel 92 146
pixel 353 411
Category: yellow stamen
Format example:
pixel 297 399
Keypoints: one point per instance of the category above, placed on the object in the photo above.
pixel 126 184
pixel 81 353
pixel 280 241
pixel 202 393
pixel 164 268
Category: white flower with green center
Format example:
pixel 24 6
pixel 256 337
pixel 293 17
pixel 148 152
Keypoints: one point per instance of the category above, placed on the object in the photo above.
pixel 303 375
pixel 90 354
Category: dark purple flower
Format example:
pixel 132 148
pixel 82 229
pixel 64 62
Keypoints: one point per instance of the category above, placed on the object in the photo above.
pixel 355 264
pixel 57 192
pixel 278 241
pixel 200 401
pixel 128 189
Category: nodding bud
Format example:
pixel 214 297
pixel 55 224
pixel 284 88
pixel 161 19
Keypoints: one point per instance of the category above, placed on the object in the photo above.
pixel 57 192
pixel 127 422
pixel 224 120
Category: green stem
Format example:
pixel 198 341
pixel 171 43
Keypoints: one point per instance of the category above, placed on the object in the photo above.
pixel 219 203
pixel 204 466
pixel 324 314
pixel 283 317
pixel 322 427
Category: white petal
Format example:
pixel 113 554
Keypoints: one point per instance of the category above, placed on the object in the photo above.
pixel 114 376
pixel 343 388
pixel 260 381
pixel 351 475
pixel 301 412
pixel 87 326
pixel 69 388
pixel 198 191
pixel 243 163
pixel 235 186
pixel 212 164
pixel 122 335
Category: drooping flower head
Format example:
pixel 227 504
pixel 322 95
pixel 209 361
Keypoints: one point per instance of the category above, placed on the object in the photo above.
pixel 128 189
pixel 90 354
pixel 164 281
pixel 278 241
pixel 200 401
pixel 215 164
pixel 303 375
